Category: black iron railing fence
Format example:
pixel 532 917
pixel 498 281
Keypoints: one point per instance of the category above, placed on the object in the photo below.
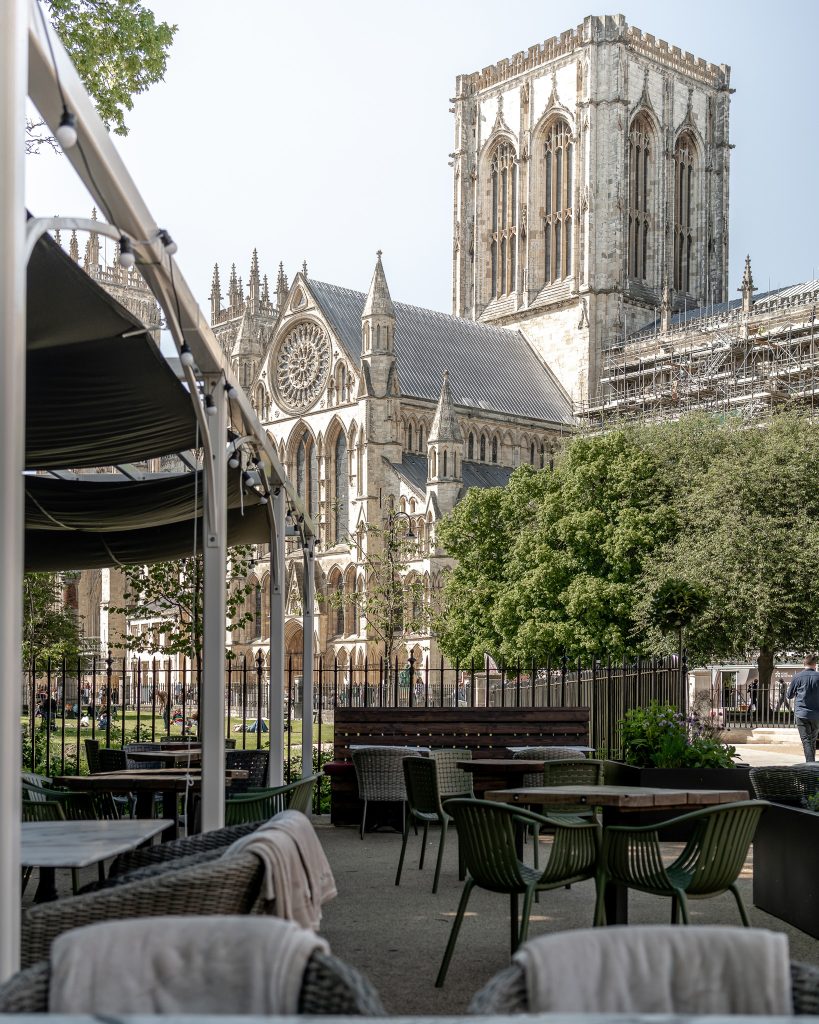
pixel 119 701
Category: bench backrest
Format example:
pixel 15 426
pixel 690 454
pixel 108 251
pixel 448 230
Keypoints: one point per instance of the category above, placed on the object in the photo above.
pixel 487 732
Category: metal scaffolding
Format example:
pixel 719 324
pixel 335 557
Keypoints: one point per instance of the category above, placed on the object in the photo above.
pixel 746 362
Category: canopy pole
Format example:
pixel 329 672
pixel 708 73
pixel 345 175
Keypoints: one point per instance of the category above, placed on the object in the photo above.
pixel 212 706
pixel 307 668
pixel 13 77
pixel 276 654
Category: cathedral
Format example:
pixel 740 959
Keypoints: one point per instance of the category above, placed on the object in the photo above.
pixel 590 240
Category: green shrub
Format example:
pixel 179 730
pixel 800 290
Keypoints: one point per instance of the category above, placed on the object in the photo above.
pixel 659 736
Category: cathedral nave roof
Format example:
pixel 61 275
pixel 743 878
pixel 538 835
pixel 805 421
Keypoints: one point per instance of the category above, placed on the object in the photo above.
pixel 489 367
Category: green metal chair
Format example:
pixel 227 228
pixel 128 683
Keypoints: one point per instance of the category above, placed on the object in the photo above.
pixel 486 833
pixel 261 804
pixel 709 864
pixel 424 808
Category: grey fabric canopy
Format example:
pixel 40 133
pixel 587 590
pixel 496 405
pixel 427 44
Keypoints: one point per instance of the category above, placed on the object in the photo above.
pixel 100 393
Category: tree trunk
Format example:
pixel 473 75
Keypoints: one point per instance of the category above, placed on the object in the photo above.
pixel 765 663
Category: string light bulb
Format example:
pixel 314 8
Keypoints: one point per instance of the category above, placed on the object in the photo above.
pixel 127 258
pixel 67 130
pixel 168 242
pixel 234 461
pixel 185 355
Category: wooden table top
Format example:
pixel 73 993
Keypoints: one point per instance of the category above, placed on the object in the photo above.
pixel 503 765
pixel 76 844
pixel 170 758
pixel 624 798
pixel 142 778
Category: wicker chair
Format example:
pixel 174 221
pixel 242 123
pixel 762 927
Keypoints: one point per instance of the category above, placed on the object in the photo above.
pixel 452 780
pixel 507 992
pixel 92 756
pixel 708 865
pixel 329 987
pixel 545 754
pixel 222 886
pixel 110 759
pixel 785 784
pixel 424 806
pixel 140 764
pixel 379 772
pixel 254 762
pixel 486 833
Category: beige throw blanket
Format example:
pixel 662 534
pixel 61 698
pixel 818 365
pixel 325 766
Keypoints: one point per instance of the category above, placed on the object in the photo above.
pixel 181 965
pixel 682 969
pixel 297 873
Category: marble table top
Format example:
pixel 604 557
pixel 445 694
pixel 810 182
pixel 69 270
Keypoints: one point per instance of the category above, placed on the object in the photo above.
pixel 76 844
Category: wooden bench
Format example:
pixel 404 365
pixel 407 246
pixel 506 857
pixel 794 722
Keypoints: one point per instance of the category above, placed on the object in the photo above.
pixel 487 732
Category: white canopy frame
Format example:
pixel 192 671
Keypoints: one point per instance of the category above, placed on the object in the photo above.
pixel 30 52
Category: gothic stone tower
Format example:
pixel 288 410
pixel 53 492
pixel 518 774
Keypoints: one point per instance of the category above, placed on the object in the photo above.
pixel 590 171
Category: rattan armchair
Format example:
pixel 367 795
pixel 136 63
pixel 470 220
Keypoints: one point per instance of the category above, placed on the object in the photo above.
pixel 708 865
pixel 254 762
pixel 508 993
pixel 785 784
pixel 221 886
pixel 486 834
pixel 218 839
pixel 380 775
pixel 452 780
pixel 329 987
pixel 545 754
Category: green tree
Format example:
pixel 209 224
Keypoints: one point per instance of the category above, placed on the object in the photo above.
pixel 749 542
pixel 118 49
pixel 168 598
pixel 50 630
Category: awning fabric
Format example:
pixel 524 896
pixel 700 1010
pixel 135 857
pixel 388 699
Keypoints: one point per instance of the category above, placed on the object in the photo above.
pixel 95 398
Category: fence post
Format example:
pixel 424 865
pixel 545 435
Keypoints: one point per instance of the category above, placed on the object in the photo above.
pixel 109 664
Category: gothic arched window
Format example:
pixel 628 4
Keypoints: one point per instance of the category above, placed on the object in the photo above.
pixel 532 453
pixel 444 473
pixel 504 178
pixel 684 234
pixel 558 193
pixel 421 438
pixel 483 447
pixel 494 449
pixel 341 522
pixel 409 437
pixel 257 613
pixel 307 473
pixel 639 186
pixel 470 453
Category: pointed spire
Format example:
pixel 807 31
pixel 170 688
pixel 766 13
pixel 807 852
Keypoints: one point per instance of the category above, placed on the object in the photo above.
pixel 378 301
pixel 58 238
pixel 265 294
pixel 74 248
pixel 92 247
pixel 445 426
pixel 304 269
pixel 665 308
pixel 254 284
pixel 215 295
pixel 747 288
pixel 233 289
pixel 281 288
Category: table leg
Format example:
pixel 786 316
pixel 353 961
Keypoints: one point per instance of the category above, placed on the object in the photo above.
pixel 46 886
pixel 169 801
pixel 616 896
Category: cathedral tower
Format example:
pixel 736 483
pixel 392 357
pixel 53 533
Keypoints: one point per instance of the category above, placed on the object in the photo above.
pixel 588 170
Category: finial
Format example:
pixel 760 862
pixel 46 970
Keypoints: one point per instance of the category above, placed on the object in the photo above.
pixel 379 254
pixel 304 268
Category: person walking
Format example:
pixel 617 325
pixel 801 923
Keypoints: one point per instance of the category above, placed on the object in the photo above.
pixel 805 688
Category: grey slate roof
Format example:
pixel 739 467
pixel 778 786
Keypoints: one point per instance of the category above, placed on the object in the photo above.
pixel 413 469
pixel 489 367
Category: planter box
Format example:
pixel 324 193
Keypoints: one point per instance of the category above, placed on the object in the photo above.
pixel 785 879
pixel 619 774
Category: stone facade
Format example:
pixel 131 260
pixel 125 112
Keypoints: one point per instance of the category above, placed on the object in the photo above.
pixel 378 408
pixel 589 172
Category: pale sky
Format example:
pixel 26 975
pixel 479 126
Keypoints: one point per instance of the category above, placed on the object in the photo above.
pixel 321 131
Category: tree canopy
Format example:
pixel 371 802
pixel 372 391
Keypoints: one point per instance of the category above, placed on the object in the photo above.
pixel 50 629
pixel 636 533
pixel 118 49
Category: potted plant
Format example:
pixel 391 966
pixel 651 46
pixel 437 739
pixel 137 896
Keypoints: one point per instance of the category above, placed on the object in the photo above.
pixel 664 748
